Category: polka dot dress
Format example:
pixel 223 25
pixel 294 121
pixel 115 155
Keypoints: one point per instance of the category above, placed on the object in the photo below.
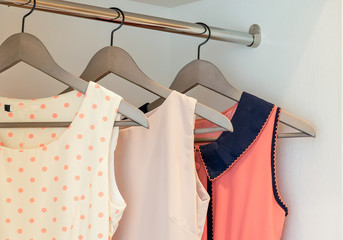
pixel 59 183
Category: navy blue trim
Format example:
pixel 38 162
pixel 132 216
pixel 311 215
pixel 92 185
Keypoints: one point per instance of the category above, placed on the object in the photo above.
pixel 250 116
pixel 275 191
pixel 210 212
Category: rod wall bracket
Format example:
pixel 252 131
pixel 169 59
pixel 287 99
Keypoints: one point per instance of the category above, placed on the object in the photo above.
pixel 255 31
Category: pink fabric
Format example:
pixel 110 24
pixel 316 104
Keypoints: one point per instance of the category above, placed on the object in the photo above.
pixel 244 206
pixel 156 175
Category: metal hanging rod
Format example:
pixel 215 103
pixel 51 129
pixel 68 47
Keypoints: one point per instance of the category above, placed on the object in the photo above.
pixel 251 39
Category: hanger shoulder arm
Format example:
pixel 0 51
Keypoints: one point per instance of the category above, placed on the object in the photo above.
pixel 133 113
pixel 297 123
pixel 29 49
pixel 98 66
pixel 213 116
pixel 123 65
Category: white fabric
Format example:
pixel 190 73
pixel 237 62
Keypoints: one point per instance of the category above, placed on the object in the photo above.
pixel 58 183
pixel 156 174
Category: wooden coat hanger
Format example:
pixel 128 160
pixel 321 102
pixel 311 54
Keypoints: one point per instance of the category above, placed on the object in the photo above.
pixel 117 61
pixel 24 47
pixel 204 73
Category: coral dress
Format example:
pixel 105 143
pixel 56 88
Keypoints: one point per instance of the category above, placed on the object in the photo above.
pixel 238 170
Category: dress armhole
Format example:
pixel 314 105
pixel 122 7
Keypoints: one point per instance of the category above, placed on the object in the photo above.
pixel 116 200
pixel 277 195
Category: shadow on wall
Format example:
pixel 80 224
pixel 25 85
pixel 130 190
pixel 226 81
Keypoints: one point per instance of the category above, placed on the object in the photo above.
pixel 169 3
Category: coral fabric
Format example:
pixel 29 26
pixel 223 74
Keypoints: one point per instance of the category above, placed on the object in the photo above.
pixel 156 174
pixel 244 205
pixel 58 183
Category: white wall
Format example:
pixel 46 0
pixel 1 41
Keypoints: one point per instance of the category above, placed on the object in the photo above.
pixel 297 67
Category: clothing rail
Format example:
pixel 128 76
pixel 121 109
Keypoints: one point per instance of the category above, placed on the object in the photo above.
pixel 251 39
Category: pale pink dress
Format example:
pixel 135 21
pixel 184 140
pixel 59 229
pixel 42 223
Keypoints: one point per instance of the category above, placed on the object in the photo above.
pixel 157 177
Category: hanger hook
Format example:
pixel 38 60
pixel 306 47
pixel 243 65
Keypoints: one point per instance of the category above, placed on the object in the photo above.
pixel 29 13
pixel 207 28
pixel 120 12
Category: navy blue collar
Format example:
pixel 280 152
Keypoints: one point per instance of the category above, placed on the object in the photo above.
pixel 250 117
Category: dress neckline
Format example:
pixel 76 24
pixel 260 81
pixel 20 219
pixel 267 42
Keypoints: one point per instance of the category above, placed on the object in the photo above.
pixel 74 122
pixel 155 112
pixel 248 121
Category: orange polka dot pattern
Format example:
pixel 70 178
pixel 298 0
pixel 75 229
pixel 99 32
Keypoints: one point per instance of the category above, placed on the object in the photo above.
pixel 59 183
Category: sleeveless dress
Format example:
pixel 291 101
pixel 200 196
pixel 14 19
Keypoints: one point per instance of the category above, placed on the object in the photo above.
pixel 238 170
pixel 156 174
pixel 59 183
